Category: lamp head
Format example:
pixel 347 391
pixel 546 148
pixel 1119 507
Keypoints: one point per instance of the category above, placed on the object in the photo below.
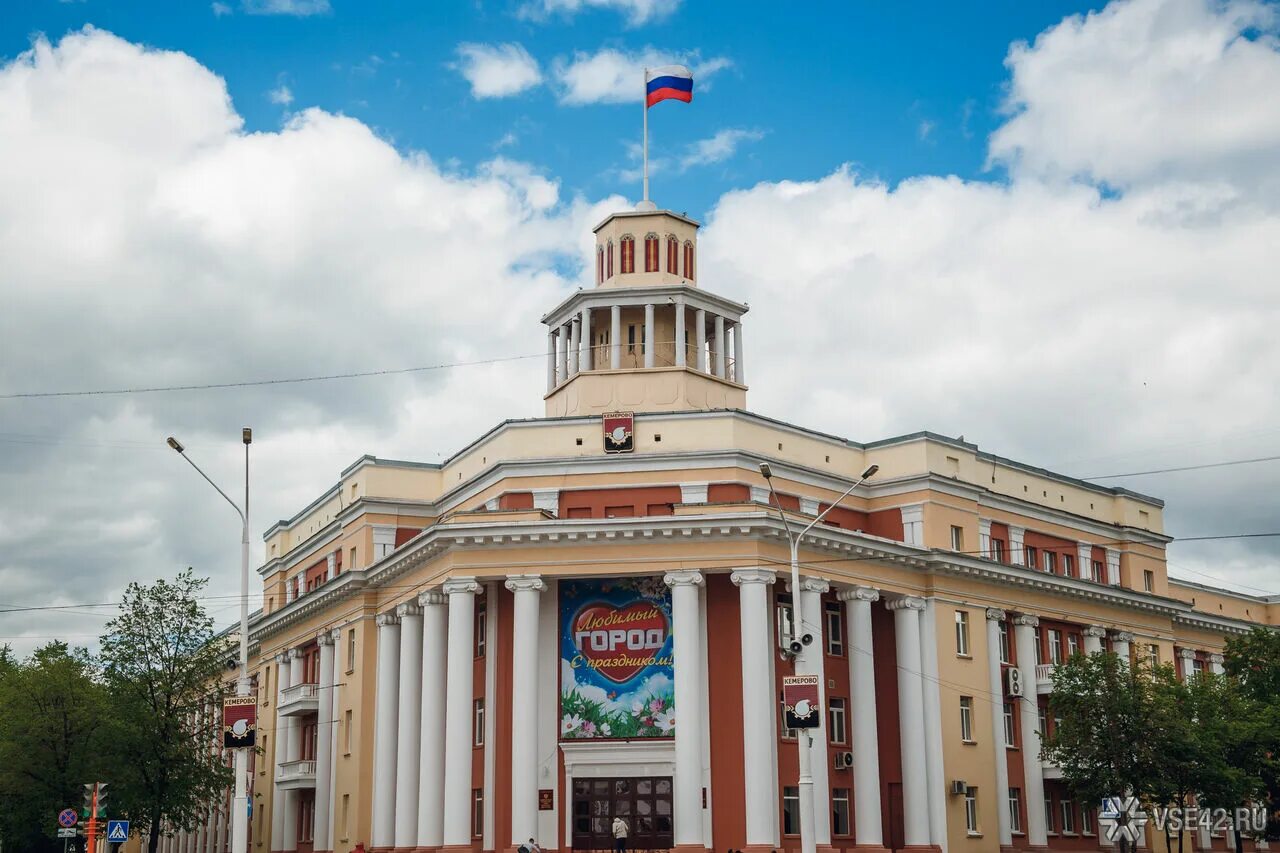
pixel 247 435
pixel 176 445
pixel 765 470
pixel 870 472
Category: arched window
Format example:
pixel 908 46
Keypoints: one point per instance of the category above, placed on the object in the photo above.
pixel 599 264
pixel 688 260
pixel 609 261
pixel 651 253
pixel 628 246
pixel 673 255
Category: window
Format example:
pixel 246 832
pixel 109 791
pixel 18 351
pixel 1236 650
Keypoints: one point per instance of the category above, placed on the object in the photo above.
pixel 482 633
pixel 631 338
pixel 790 811
pixel 1073 645
pixel 1086 821
pixel 1048 814
pixel 836 715
pixel 346 733
pixel 688 261
pixel 1153 654
pixel 1055 646
pixel 1042 721
pixel 1148 580
pixel 835 630
pixel 673 256
pixel 1050 562
pixel 962 633
pixel 353 558
pixel 783 616
pixel 1010 733
pixel 1068 565
pixel 478 722
pixel 839 811
pixel 477 812
pixel 1095 571
pixel 1038 649
pixel 599 264
pixel 265 751
pixel 997 550
pixel 1197 666
pixel 1015 809
pixel 966 719
pixel 786 733
pixel 971 810
pixel 1004 642
pixel 651 253
pixel 306 819
pixel 628 245
pixel 351 650
pixel 957 538
pixel 608 261
pixel 1068 816
pixel 1032 557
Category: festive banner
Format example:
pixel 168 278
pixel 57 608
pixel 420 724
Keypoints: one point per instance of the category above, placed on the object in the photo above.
pixel 615 659
pixel 239 721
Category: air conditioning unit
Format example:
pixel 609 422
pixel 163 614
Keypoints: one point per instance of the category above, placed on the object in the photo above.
pixel 1013 682
pixel 844 760
pixel 959 787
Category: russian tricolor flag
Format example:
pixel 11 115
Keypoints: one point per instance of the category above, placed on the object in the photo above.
pixel 669 81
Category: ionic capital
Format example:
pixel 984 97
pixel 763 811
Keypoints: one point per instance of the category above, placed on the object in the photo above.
pixel 282 658
pixel 686 577
pixel 432 599
pixel 859 593
pixel 525 583
pixel 325 638
pixel 408 609
pixel 818 585
pixel 741 577
pixel 906 602
pixel 387 619
pixel 1122 636
pixel 1187 654
pixel 1217 659
pixel 1095 631
pixel 458 586
pixel 295 653
pixel 1025 619
pixel 995 614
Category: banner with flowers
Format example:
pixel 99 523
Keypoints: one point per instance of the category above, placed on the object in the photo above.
pixel 616 659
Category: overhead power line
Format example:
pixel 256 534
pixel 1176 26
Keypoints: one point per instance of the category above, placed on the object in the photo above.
pixel 1183 468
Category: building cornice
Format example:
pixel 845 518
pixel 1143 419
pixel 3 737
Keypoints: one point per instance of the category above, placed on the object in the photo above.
pixel 639 295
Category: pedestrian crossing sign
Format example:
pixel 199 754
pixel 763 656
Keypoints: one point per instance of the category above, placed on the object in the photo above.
pixel 117 830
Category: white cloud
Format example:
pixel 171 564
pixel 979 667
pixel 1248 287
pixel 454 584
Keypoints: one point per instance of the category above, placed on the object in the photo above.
pixel 925 129
pixel 637 12
pixel 281 95
pixel 220 9
pixel 297 8
pixel 497 70
pixel 612 76
pixel 718 148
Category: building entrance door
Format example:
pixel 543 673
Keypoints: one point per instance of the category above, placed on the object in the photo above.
pixel 644 802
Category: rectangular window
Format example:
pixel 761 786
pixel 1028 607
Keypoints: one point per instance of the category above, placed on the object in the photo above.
pixel 1068 816
pixel 966 719
pixel 1010 733
pixel 1073 645
pixel 962 633
pixel 971 810
pixel 1086 821
pixel 346 733
pixel 836 713
pixel 1039 649
pixel 1055 646
pixel 353 558
pixel 1148 580
pixel 1015 809
pixel 265 751
pixel 351 650
pixel 1048 815
pixel 1042 722
pixel 1197 666
pixel 835 630
pixel 482 632
pixel 782 614
pixel 346 816
pixel 631 338
pixel 477 807
pixel 650 254
pixel 790 811
pixel 957 538
pixel 478 722
pixel 628 255
pixel 997 550
pixel 1068 565
pixel 1050 562
pixel 1095 571
pixel 306 819
pixel 1033 557
pixel 1004 642
pixel 1153 654
pixel 839 811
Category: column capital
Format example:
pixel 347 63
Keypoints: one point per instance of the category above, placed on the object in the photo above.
pixel 741 577
pixel 859 593
pixel 1122 636
pixel 1027 619
pixel 432 599
pixel 388 618
pixel 336 633
pixel 1187 654
pixel 295 653
pixel 906 602
pixel 282 658
pixel 525 583
pixel 408 608
pixel 1217 659
pixel 995 614
pixel 1095 631
pixel 458 585
pixel 686 577
pixel 325 637
pixel 818 585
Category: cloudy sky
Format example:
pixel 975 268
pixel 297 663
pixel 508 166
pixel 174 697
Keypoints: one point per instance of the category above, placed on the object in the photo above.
pixel 1055 232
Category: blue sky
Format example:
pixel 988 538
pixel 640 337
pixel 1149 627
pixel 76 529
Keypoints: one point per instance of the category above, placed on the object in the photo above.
pixel 895 95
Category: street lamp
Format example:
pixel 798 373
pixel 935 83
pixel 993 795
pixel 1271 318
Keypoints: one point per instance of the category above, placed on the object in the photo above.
pixel 808 844
pixel 240 805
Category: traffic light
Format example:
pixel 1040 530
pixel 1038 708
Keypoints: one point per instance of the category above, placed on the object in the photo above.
pixel 102 799
pixel 86 811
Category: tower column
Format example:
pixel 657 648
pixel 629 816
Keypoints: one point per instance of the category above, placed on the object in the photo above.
pixel 573 347
pixel 615 337
pixel 586 339
pixel 682 354
pixel 435 618
pixel 862 684
pixel 459 682
pixel 720 346
pixel 551 360
pixel 407 725
pixel 562 344
pixel 700 357
pixel 1024 629
pixel 739 375
pixel 1120 641
pixel 649 335
pixel 524 726
pixel 387 709
pixel 1093 639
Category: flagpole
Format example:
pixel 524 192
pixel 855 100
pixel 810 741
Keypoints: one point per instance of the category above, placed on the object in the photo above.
pixel 644 103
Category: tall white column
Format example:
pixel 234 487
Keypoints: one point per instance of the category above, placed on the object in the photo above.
pixel 700 339
pixel 615 337
pixel 739 371
pixel 720 348
pixel 687 650
pixel 915 794
pixel 866 738
pixel 809 662
pixel 587 348
pixel 1120 643
pixel 1093 639
pixel 325 712
pixel 575 352
pixel 934 780
pixel 281 734
pixel 459 686
pixel 408 725
pixel 551 359
pixel 682 351
pixel 1187 656
pixel 1024 629
pixel 759 740
pixel 435 619
pixel 995 683
pixel 293 752
pixel 524 725
pixel 564 346
pixel 335 698
pixel 386 722
pixel 210 829
pixel 650 337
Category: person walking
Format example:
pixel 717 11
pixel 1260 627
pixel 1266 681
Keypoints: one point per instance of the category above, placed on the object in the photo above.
pixel 620 830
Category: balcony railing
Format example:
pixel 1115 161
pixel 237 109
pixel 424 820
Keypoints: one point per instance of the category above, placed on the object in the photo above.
pixel 296 774
pixel 299 699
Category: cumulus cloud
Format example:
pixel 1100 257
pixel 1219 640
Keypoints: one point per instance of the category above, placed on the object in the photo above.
pixel 497 70
pixel 281 95
pixel 296 8
pixel 717 148
pixel 612 76
pixel 637 12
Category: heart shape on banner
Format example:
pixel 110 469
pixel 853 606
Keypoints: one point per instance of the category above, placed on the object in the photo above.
pixel 619 642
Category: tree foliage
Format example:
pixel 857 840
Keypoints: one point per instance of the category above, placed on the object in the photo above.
pixel 1253 663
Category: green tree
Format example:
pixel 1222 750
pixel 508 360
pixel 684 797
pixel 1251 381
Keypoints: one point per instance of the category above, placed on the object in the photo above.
pixel 1253 662
pixel 163 666
pixel 1178 739
pixel 51 711
pixel 1232 733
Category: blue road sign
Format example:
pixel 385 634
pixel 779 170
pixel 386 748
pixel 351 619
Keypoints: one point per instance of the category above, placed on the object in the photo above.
pixel 117 830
